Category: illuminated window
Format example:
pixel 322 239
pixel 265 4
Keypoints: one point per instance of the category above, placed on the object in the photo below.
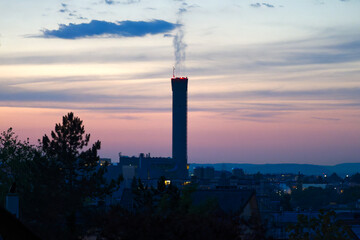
pixel 186 183
pixel 167 182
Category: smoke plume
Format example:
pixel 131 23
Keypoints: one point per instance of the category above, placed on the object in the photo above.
pixel 179 44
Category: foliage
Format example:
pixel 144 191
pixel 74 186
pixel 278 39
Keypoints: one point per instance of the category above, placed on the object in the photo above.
pixel 75 172
pixel 15 160
pixel 325 226
pixel 164 213
pixel 80 175
pixel 355 178
pixel 55 179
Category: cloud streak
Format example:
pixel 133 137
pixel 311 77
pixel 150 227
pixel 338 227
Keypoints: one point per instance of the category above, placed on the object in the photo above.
pixel 72 14
pixel 320 94
pixel 250 58
pixel 258 5
pixel 112 2
pixel 326 119
pixel 97 28
pixel 18 94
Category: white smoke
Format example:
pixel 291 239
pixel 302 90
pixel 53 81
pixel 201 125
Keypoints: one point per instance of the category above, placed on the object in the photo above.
pixel 179 44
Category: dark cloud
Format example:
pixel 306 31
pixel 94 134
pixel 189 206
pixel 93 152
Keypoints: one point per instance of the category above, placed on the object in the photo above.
pixel 102 28
pixel 255 5
pixel 112 2
pixel 326 119
pixel 129 1
pixel 182 10
pixel 316 54
pixel 70 13
pixel 64 8
pixel 87 99
pixel 267 5
pixel 339 94
pixel 309 52
pixel 262 114
pixel 312 51
pixel 15 94
pixel 258 5
pixel 347 46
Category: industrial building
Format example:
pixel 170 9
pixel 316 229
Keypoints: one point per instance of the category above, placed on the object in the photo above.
pixel 149 168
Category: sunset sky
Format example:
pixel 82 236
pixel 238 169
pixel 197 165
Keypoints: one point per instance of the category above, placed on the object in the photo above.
pixel 276 81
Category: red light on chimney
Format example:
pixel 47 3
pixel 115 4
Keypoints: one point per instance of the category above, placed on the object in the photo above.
pixel 179 78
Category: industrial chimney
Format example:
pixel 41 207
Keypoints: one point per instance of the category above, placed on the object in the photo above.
pixel 179 127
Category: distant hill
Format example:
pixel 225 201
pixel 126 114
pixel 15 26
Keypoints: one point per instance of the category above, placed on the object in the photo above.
pixel 307 169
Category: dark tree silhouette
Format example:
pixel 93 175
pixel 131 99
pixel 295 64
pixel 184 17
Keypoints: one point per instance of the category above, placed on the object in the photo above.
pixel 15 158
pixel 355 178
pixel 79 176
pixel 172 217
pixel 56 181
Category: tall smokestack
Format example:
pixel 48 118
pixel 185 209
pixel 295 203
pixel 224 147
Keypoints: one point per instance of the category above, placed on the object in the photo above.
pixel 179 121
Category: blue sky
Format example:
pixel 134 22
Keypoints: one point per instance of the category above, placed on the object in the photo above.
pixel 278 81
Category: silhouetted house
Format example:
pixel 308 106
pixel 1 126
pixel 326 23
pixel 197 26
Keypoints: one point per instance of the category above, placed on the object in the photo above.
pixel 12 229
pixel 241 202
pixel 355 232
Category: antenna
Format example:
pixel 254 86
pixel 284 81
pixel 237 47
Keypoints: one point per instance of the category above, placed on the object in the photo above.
pixel 173 71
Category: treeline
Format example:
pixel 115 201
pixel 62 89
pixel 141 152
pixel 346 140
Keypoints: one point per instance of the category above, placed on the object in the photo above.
pixel 166 213
pixel 61 186
pixel 317 198
pixel 56 180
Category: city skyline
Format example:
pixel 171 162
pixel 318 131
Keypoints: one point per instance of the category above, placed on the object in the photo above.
pixel 269 82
